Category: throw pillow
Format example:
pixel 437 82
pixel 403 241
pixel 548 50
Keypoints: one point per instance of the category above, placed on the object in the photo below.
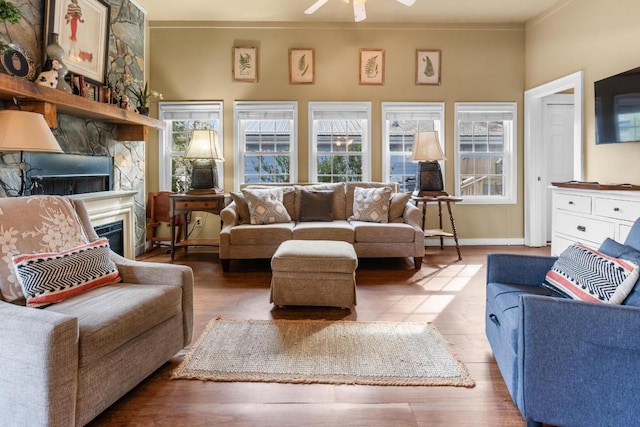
pixel 316 205
pixel 585 274
pixel 618 250
pixel 244 216
pixel 371 204
pixel 265 206
pixel 396 206
pixel 47 278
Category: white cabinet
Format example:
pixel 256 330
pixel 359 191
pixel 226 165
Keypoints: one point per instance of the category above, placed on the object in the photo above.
pixel 590 216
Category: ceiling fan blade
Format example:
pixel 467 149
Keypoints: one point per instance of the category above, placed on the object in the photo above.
pixel 406 2
pixel 317 5
pixel 359 12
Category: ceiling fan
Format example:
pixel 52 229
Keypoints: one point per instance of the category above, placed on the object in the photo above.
pixel 359 12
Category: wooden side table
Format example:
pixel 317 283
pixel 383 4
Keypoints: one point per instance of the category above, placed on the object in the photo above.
pixel 185 204
pixel 439 198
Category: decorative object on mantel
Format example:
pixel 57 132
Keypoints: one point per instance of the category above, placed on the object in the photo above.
pixel 205 150
pixel 17 62
pixel 427 151
pixel 141 93
pixel 49 77
pixel 25 131
pixel 55 52
pixel 594 185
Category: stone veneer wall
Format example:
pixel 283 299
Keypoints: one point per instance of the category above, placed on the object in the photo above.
pixel 79 136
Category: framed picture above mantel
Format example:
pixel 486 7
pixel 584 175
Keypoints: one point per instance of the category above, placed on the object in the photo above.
pixel 82 27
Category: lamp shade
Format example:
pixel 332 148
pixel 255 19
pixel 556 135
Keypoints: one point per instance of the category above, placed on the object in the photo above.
pixel 426 147
pixel 204 145
pixel 26 131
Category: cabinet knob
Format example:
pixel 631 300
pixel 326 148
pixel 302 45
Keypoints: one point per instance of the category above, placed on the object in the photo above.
pixel 581 228
pixel 616 209
pixel 570 202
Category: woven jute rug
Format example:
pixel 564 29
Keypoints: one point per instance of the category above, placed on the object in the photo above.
pixel 328 352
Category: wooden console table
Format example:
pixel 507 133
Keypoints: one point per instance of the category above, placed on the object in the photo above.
pixel 185 204
pixel 439 198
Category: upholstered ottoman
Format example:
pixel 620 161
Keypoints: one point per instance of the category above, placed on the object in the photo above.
pixel 314 272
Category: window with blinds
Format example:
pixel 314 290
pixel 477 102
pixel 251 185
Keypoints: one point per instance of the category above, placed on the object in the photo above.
pixel 400 122
pixel 339 141
pixel 265 141
pixel 486 152
pixel 181 118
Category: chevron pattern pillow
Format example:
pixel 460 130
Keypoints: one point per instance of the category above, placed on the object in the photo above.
pixel 47 278
pixel 585 274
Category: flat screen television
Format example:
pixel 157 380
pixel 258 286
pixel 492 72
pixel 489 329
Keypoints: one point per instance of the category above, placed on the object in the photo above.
pixel 617 105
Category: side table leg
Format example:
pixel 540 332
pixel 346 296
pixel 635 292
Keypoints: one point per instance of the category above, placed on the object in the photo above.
pixel 440 222
pixel 453 229
pixel 173 237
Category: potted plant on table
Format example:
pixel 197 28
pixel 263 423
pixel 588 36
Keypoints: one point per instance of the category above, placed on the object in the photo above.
pixel 142 94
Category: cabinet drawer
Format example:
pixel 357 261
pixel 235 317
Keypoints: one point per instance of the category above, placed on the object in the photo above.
pixel 620 209
pixel 194 205
pixel 580 228
pixel 560 243
pixel 573 203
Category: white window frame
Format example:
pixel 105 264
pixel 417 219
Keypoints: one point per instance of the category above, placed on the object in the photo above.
pixel 189 111
pixel 265 107
pixel 510 168
pixel 415 111
pixel 348 109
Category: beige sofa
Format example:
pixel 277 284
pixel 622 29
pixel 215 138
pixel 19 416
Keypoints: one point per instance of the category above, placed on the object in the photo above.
pixel 63 364
pixel 401 237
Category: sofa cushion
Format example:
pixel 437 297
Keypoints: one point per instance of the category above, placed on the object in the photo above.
pixel 503 300
pixel 112 315
pixel 288 196
pixel 338 197
pixel 244 216
pixel 397 203
pixel 371 204
pixel 265 205
pixel 261 234
pixel 316 205
pixel 586 274
pixel 47 278
pixel 350 188
pixel 335 230
pixel 618 250
pixel 31 225
pixel 372 232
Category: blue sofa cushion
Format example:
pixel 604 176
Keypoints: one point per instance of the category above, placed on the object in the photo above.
pixel 585 274
pixel 612 248
pixel 502 302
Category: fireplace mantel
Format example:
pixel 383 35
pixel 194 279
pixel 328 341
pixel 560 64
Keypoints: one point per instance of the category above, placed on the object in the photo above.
pixel 109 206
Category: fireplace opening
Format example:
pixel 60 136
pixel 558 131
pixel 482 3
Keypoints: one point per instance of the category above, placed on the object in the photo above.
pixel 114 231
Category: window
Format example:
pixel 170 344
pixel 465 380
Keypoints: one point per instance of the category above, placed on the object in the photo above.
pixel 266 142
pixel 486 152
pixel 181 119
pixel 400 122
pixel 339 141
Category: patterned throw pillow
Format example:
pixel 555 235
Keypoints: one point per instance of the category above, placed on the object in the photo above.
pixel 585 274
pixel 47 278
pixel 265 206
pixel 371 204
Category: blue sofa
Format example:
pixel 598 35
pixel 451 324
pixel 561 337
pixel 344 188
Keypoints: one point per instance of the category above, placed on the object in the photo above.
pixel 565 362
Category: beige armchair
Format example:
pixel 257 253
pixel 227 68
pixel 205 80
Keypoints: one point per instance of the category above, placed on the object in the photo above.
pixel 63 364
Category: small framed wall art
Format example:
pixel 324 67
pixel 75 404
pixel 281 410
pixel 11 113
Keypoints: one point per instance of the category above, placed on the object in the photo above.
pixel 245 64
pixel 371 66
pixel 83 33
pixel 428 66
pixel 302 66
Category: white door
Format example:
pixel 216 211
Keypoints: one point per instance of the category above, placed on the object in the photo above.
pixel 557 121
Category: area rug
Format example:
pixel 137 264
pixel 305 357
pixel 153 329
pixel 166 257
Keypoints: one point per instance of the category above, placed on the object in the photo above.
pixel 327 352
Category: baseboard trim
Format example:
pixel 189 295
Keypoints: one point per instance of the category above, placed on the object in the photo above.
pixel 433 241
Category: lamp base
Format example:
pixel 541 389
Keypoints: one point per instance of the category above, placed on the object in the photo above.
pixel 204 177
pixel 429 177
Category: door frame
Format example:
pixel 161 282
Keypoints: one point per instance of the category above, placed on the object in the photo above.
pixel 534 217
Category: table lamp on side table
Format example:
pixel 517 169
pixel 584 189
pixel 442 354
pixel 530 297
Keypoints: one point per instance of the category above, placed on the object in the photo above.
pixel 427 151
pixel 205 150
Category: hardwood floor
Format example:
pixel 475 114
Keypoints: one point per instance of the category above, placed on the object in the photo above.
pixel 446 292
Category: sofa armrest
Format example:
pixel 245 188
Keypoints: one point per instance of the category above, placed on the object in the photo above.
pixel 518 269
pixel 39 375
pixel 161 274
pixel 229 215
pixel 574 354
pixel 412 215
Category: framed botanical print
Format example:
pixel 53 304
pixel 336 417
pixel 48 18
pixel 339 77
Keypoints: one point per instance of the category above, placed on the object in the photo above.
pixel 245 64
pixel 82 27
pixel 428 66
pixel 302 66
pixel 371 66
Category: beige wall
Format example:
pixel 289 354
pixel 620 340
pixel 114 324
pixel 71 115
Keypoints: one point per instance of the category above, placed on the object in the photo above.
pixel 600 38
pixel 193 62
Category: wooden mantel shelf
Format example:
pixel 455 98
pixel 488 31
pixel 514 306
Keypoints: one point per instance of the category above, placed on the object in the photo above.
pixel 131 126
